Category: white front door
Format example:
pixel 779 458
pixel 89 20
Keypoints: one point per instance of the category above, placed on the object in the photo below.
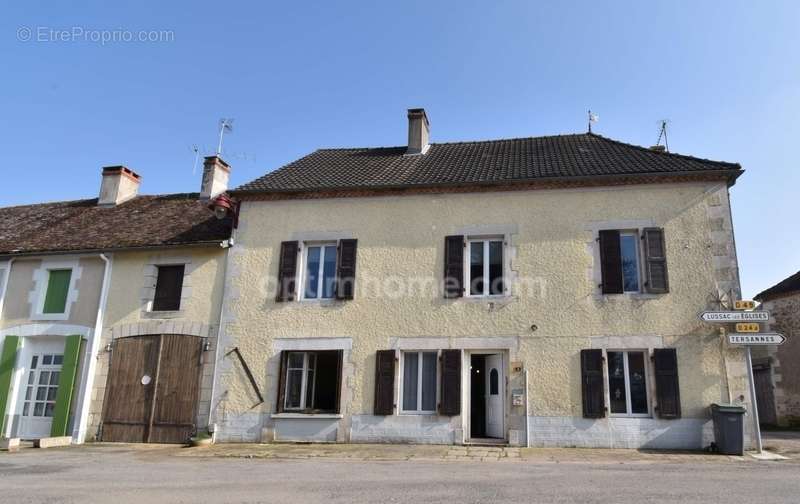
pixel 38 393
pixel 495 393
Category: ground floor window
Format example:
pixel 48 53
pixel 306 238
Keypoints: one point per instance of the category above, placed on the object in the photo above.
pixel 419 382
pixel 311 381
pixel 627 383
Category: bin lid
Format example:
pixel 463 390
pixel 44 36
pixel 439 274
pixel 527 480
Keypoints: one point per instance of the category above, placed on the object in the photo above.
pixel 729 408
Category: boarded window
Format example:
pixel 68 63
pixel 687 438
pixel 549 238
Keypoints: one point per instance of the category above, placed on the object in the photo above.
pixel 55 299
pixel 665 361
pixel 169 286
pixel 592 383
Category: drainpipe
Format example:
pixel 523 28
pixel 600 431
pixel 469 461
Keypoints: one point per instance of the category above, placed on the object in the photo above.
pixel 218 344
pixel 80 424
pixel 527 420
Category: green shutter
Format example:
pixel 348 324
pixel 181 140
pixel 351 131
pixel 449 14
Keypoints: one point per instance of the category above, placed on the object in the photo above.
pixel 55 300
pixel 8 358
pixel 66 382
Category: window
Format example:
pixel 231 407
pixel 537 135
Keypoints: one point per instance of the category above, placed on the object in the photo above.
pixel 42 385
pixel 419 382
pixel 169 286
pixel 319 271
pixel 55 299
pixel 311 381
pixel 627 383
pixel 484 268
pixel 629 254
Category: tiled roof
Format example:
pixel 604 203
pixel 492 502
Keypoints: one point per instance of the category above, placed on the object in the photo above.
pixel 145 221
pixel 789 285
pixel 488 162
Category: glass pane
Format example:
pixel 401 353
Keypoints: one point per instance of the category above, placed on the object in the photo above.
pixel 44 377
pixel 58 360
pixel 329 272
pixel 630 263
pixel 296 360
pixel 310 389
pixel 476 268
pixel 410 376
pixel 429 381
pixel 312 272
pixel 51 393
pixel 54 377
pixel 616 382
pixel 638 382
pixel 47 360
pixel 294 384
pixel 41 393
pixel 494 382
pixel 38 409
pixel 31 376
pixel 26 409
pixel 28 393
pixel 34 361
pixel 496 268
pixel 48 409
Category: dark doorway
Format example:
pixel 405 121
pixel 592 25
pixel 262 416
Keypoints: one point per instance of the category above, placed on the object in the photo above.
pixel 478 396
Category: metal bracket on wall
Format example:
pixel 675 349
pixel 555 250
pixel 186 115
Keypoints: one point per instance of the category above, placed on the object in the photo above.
pixel 248 373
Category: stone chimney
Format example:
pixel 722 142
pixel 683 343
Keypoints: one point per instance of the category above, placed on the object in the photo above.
pixel 216 173
pixel 419 130
pixel 119 185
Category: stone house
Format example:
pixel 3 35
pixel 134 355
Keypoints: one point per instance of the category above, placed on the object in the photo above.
pixel 531 291
pixel 775 371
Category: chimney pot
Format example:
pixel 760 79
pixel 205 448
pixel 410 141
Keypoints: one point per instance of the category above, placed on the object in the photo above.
pixel 119 184
pixel 419 130
pixel 216 174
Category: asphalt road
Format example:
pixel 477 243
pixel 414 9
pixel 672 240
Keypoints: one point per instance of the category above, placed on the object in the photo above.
pixel 120 475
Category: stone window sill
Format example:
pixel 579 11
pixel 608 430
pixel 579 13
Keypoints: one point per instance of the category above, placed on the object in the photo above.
pixel 331 416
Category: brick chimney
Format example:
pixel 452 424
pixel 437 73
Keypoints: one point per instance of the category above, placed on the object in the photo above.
pixel 419 130
pixel 119 185
pixel 216 173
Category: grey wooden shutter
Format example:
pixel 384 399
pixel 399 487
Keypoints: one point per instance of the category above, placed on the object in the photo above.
pixel 668 396
pixel 281 399
pixel 610 262
pixel 454 266
pixel 287 271
pixel 655 259
pixel 346 269
pixel 450 400
pixel 384 382
pixel 592 384
pixel 339 367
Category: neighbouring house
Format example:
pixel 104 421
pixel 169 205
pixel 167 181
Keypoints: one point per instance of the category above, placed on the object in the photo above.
pixel 775 370
pixel 109 307
pixel 541 291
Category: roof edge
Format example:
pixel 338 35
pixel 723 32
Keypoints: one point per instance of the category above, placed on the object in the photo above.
pixel 205 243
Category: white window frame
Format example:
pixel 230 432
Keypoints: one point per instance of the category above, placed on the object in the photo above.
pixel 419 410
pixel 302 274
pixel 637 239
pixel 468 264
pixel 647 382
pixel 303 382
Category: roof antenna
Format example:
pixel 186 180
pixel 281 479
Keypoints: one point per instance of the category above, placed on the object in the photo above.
pixel 663 133
pixel 224 125
pixel 196 151
pixel 593 118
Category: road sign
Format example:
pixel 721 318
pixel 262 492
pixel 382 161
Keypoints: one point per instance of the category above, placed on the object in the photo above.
pixel 726 317
pixel 744 304
pixel 750 327
pixel 756 339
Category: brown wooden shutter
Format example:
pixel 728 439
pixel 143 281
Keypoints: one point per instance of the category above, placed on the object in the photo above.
pixel 610 262
pixel 668 394
pixel 592 384
pixel 281 382
pixel 339 380
pixel 655 259
pixel 346 269
pixel 384 382
pixel 169 286
pixel 287 271
pixel 454 266
pixel 450 404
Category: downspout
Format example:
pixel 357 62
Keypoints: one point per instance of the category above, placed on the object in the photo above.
pixel 212 426
pixel 527 412
pixel 90 358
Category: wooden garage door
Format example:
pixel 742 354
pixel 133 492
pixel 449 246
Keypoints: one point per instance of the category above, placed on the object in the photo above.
pixel 152 389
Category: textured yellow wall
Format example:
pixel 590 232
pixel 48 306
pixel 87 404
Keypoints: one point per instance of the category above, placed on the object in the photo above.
pixel 404 236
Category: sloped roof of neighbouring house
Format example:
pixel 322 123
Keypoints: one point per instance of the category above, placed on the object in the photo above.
pixel 564 157
pixel 82 225
pixel 786 286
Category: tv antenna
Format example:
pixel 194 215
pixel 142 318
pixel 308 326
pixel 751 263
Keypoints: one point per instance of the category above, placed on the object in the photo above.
pixel 663 133
pixel 224 125
pixel 593 118
pixel 196 151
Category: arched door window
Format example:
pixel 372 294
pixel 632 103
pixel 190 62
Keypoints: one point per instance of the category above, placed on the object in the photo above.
pixel 494 386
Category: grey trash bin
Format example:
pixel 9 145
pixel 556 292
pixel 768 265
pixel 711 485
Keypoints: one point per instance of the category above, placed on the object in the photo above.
pixel 728 428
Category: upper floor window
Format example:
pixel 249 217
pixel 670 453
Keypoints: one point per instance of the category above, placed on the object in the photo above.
pixel 629 255
pixel 631 262
pixel 55 298
pixel 485 271
pixel 169 287
pixel 319 271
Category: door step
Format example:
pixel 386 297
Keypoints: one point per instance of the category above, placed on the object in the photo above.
pixel 486 442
